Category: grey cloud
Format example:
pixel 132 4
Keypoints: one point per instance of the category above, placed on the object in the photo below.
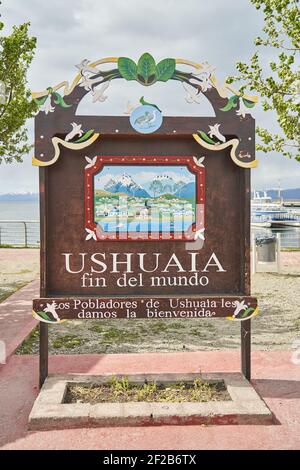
pixel 219 31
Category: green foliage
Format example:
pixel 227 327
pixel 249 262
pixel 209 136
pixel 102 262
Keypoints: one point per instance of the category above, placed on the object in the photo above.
pixel 30 343
pixel 127 68
pixel 16 54
pixel 58 99
pixel 146 71
pixel 165 70
pixel 156 187
pixel 68 342
pixel 278 82
pixel 142 101
pixel 85 136
pixel 43 315
pixel 206 138
pixel 121 390
pixel 231 103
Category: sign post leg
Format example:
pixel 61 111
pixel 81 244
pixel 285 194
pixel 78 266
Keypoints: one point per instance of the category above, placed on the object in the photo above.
pixel 246 348
pixel 43 352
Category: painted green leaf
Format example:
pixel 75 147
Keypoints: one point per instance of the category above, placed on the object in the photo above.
pixel 248 104
pixel 85 136
pixel 231 103
pixel 146 69
pixel 246 313
pixel 142 101
pixel 206 138
pixel 165 70
pixel 43 315
pixel 41 101
pixel 127 68
pixel 58 99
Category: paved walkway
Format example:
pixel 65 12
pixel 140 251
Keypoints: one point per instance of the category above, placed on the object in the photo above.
pixel 16 320
pixel 275 378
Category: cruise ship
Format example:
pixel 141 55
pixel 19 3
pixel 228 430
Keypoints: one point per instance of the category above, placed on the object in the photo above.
pixel 265 213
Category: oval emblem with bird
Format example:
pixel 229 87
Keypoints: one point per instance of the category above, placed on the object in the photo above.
pixel 146 118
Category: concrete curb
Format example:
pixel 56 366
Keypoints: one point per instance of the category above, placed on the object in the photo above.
pixel 245 406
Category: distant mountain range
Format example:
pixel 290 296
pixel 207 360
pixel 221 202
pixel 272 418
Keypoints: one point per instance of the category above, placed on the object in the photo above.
pixel 126 185
pixel 286 194
pixel 162 184
pixel 187 191
pixel 19 197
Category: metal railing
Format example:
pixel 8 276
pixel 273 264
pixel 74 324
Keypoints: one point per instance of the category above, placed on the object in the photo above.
pixel 20 233
pixel 26 233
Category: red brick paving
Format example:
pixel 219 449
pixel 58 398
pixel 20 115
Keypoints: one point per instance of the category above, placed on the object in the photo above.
pixel 16 320
pixel 275 378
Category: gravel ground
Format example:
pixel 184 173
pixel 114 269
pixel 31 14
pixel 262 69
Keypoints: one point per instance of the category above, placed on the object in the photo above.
pixel 277 326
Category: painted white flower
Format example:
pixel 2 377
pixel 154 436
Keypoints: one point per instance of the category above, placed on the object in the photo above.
pixel 204 75
pixel 88 83
pixel 199 161
pixel 84 67
pixel 76 130
pixel 214 131
pixel 206 68
pixel 199 234
pixel 90 234
pixel 130 107
pixel 192 94
pixel 51 308
pixel 91 162
pixel 243 110
pixel 47 107
pixel 239 306
pixel 205 83
pixel 98 94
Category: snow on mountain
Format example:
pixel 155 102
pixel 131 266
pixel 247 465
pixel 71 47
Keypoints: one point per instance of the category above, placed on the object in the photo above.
pixel 21 196
pixel 110 184
pixel 188 191
pixel 125 184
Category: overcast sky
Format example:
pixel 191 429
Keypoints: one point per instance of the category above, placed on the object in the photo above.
pixel 219 31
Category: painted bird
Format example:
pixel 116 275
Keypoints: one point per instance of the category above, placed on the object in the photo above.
pixel 147 118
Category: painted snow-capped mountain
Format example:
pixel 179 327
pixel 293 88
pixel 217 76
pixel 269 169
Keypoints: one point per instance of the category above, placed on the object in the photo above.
pixel 187 191
pixel 125 184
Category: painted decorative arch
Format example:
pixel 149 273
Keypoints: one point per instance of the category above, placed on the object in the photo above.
pixel 232 127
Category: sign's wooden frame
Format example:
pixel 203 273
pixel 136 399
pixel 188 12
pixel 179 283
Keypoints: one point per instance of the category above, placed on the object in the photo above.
pixel 52 128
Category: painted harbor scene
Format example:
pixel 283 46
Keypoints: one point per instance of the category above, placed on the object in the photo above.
pixel 132 198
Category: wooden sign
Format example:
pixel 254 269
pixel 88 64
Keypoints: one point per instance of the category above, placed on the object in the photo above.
pixel 144 216
pixel 60 309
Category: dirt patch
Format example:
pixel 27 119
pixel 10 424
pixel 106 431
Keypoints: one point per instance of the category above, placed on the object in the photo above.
pixel 276 327
pixel 121 390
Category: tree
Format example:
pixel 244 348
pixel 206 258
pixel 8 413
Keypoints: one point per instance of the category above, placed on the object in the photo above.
pixel 156 186
pixel 278 82
pixel 16 105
